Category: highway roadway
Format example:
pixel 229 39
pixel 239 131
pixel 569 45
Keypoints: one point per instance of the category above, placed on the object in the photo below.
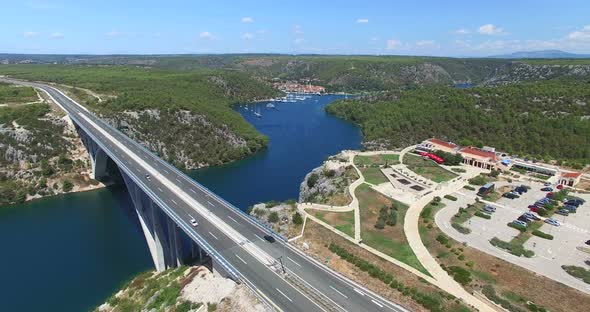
pixel 236 237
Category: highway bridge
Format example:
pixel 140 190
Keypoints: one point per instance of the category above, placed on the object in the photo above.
pixel 165 200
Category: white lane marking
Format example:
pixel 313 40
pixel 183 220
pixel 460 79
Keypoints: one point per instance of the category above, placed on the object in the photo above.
pixel 377 303
pixel 177 180
pixel 165 171
pixel 214 236
pixel 259 237
pixel 299 265
pixel 336 290
pixel 358 291
pixel 210 203
pixel 159 189
pixel 241 259
pixel 174 201
pixel 284 295
pixel 233 219
pixel 193 191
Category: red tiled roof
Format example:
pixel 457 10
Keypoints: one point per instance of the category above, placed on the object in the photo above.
pixel 443 143
pixel 480 153
pixel 571 174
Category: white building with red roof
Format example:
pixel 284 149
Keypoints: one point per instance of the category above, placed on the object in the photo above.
pixel 569 178
pixel 434 144
pixel 478 158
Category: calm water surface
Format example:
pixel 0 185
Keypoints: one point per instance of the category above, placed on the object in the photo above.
pixel 70 252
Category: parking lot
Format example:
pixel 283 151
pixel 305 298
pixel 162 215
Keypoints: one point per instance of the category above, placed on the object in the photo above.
pixel 549 254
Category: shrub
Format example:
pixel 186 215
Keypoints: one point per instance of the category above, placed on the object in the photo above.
pixel 67 186
pixel 297 218
pixel 392 220
pixel 426 212
pixel 442 239
pixel 461 257
pixel 469 187
pixel 479 180
pixel 461 229
pixel 450 197
pixel 483 215
pixel 460 275
pixel 578 272
pixel 312 180
pixel 459 170
pixel 517 226
pixel 273 217
pixel 515 249
pixel 542 234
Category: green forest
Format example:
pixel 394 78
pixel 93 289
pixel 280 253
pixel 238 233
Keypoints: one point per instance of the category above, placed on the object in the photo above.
pixel 545 120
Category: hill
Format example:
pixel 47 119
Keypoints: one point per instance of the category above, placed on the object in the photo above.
pixel 546 120
pixel 543 54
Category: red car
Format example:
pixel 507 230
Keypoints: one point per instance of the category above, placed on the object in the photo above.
pixel 559 187
pixel 550 194
pixel 533 209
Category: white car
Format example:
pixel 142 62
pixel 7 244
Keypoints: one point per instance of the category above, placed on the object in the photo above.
pixel 194 222
pixel 552 222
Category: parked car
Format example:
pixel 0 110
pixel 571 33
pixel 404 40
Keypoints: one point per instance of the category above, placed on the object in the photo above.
pixel 549 195
pixel 547 189
pixel 559 187
pixel 524 188
pixel 574 202
pixel 547 183
pixel 523 218
pixel 588 242
pixel 552 222
pixel 532 216
pixel 544 200
pixel 489 208
pixel 570 208
pixel 269 238
pixel 510 195
pixel 534 209
pixel 518 222
pixel 563 212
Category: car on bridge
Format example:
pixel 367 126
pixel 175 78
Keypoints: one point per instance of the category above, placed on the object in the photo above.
pixel 194 222
pixel 269 238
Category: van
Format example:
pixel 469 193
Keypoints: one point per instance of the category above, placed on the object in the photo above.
pixel 489 208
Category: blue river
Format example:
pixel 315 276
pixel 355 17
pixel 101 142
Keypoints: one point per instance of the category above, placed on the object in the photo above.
pixel 71 252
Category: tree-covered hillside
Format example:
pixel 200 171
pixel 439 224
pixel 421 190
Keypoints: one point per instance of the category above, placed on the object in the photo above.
pixel 207 131
pixel 547 120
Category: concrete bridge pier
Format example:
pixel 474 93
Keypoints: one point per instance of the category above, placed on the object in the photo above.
pixel 98 157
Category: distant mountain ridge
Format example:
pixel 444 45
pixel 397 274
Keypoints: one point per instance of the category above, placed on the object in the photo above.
pixel 546 54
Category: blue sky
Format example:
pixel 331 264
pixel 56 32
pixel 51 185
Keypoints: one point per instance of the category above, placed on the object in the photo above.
pixel 441 28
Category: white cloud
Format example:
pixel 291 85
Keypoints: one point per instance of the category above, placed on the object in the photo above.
pixel 490 29
pixel 247 36
pixel 247 19
pixel 299 41
pixel 461 31
pixel 206 35
pixel 430 44
pixel 297 29
pixel 114 33
pixel 31 34
pixel 56 35
pixel 393 44
pixel 362 20
pixel 262 31
pixel 580 35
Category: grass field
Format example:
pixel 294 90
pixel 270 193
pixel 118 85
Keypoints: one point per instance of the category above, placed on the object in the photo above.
pixel 427 168
pixel 342 221
pixel 10 94
pixel 373 175
pixel 376 160
pixel 390 240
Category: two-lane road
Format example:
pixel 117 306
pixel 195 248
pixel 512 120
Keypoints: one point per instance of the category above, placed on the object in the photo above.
pixel 234 236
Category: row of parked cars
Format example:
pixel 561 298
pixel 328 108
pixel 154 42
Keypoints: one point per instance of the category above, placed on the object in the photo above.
pixel 516 192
